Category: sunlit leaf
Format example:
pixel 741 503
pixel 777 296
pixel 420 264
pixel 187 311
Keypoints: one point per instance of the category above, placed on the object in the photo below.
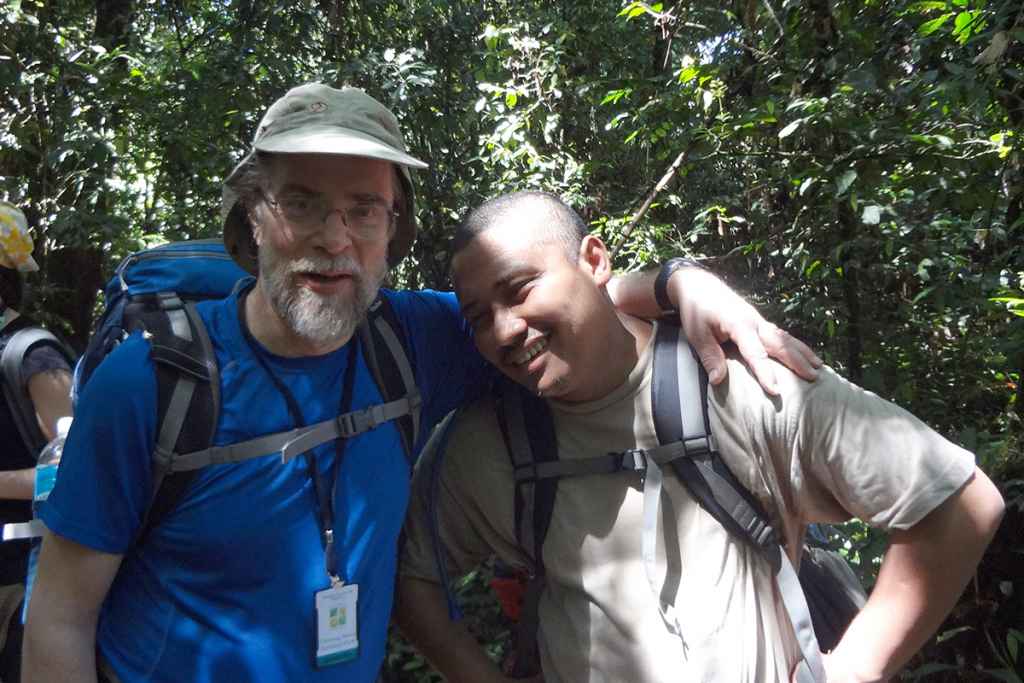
pixel 844 181
pixel 933 25
pixel 790 128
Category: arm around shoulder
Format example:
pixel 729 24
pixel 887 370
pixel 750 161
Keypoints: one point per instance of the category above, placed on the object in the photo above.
pixel 60 632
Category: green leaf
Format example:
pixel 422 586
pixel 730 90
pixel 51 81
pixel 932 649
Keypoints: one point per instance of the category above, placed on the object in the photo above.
pixel 933 25
pixel 788 130
pixel 688 74
pixel 928 6
pixel 510 99
pixel 844 182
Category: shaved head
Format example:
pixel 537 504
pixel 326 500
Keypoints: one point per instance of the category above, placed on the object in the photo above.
pixel 551 220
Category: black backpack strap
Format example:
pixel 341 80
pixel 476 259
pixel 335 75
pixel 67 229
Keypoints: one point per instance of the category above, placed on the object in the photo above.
pixel 679 401
pixel 529 432
pixel 188 392
pixel 11 360
pixel 385 350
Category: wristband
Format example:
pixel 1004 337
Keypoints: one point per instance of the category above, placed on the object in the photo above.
pixel 661 283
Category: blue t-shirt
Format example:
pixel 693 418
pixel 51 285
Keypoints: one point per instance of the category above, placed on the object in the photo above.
pixel 223 588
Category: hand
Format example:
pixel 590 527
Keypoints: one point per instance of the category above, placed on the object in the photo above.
pixel 712 314
pixel 837 672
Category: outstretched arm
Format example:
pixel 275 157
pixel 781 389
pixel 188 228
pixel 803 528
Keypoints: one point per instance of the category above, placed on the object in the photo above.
pixel 422 614
pixel 712 314
pixel 923 574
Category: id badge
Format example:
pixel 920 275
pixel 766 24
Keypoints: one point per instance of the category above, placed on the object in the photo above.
pixel 337 637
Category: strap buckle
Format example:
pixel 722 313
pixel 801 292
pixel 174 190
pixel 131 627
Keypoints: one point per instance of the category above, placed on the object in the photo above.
pixel 634 459
pixel 347 424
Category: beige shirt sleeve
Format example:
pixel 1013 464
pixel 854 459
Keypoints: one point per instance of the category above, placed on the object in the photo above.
pixel 470 499
pixel 832 451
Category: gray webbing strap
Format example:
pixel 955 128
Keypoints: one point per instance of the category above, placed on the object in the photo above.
pixel 174 308
pixel 632 460
pixel 725 493
pixel 19 530
pixel 293 442
pixel 649 544
pixel 811 669
pixel 402 361
pixel 522 456
pixel 174 420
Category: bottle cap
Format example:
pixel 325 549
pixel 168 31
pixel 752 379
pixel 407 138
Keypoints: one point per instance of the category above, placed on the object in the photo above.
pixel 63 426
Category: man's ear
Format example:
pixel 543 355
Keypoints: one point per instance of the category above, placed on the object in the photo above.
pixel 594 259
pixel 255 225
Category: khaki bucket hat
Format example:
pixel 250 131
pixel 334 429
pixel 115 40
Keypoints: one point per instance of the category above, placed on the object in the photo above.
pixel 317 119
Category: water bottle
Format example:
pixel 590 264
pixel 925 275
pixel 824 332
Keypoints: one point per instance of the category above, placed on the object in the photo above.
pixel 46 477
pixel 46 465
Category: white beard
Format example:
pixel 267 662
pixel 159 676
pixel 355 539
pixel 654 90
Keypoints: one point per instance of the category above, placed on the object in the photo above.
pixel 318 319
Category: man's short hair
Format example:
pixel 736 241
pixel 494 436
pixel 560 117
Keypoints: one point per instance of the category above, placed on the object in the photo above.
pixel 564 227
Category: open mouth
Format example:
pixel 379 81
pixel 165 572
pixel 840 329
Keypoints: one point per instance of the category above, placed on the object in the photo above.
pixel 530 352
pixel 323 280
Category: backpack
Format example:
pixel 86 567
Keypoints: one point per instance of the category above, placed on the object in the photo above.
pixel 12 357
pixel 821 601
pixel 155 291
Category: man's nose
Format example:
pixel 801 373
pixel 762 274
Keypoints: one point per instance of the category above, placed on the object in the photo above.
pixel 509 327
pixel 335 235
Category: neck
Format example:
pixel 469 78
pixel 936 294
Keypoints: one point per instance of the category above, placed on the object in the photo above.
pixel 267 327
pixel 622 343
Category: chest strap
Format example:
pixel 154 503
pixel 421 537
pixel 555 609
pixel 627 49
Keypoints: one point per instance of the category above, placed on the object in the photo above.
pixel 293 442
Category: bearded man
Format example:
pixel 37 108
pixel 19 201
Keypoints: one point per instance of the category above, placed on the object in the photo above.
pixel 228 586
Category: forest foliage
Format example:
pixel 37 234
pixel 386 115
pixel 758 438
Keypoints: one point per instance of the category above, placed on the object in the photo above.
pixel 855 168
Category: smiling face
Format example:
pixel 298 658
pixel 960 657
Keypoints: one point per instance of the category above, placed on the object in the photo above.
pixel 536 315
pixel 320 277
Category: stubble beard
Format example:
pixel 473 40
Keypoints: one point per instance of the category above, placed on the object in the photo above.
pixel 321 320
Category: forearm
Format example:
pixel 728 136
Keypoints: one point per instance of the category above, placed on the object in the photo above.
pixel 17 484
pixel 56 649
pixel 922 576
pixel 72 582
pixel 633 293
pixel 422 614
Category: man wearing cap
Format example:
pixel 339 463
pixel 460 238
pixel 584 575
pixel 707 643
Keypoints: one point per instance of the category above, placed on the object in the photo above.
pixel 45 380
pixel 239 581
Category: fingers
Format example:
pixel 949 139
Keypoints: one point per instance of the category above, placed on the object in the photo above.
pixel 789 351
pixel 712 358
pixel 750 346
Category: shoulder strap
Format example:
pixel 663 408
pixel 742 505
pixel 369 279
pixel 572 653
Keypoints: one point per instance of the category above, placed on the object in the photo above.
pixel 529 432
pixel 188 393
pixel 11 361
pixel 385 351
pixel 680 404
pixel 679 391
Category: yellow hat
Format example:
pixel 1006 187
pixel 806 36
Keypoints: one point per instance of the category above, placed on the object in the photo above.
pixel 15 243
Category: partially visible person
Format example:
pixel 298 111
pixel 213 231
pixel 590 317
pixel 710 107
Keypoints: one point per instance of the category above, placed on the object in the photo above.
pixel 237 581
pixel 532 284
pixel 46 385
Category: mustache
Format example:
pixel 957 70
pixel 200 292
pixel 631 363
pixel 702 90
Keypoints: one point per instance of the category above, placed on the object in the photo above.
pixel 318 264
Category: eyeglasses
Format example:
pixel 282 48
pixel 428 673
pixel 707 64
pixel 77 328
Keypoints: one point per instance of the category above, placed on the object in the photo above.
pixel 366 221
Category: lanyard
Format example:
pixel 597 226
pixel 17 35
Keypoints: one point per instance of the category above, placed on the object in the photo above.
pixel 324 492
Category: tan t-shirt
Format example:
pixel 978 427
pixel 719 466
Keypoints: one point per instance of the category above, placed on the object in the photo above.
pixel 822 452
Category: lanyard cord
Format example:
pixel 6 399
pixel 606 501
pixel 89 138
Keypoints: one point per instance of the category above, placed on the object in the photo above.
pixel 324 493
